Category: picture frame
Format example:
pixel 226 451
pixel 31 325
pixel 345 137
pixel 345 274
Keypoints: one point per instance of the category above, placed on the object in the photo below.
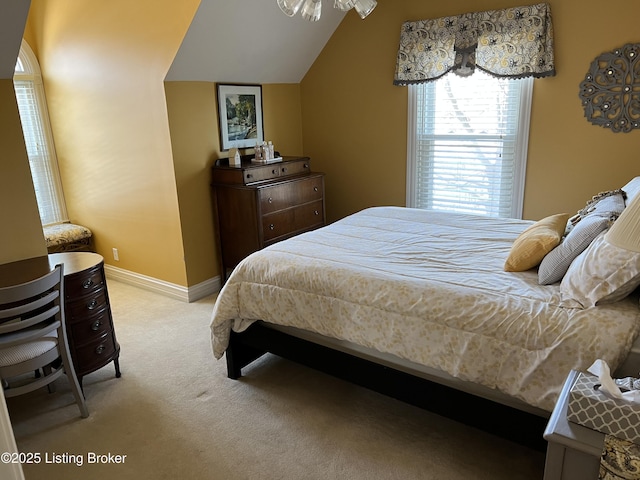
pixel 240 115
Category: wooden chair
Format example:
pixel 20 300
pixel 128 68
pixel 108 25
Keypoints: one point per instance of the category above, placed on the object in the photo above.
pixel 33 337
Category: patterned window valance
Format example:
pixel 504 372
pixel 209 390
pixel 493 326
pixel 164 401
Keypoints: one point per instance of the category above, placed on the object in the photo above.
pixel 514 42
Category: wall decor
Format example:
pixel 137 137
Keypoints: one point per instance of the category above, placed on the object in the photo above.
pixel 240 115
pixel 610 92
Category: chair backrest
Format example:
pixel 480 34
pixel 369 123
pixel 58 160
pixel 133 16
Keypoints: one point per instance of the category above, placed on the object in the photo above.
pixel 30 303
pixel 29 313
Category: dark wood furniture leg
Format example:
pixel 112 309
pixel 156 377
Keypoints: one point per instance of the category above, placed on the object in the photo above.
pixel 239 354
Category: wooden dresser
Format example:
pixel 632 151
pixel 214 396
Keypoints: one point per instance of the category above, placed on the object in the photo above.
pixel 90 330
pixel 260 204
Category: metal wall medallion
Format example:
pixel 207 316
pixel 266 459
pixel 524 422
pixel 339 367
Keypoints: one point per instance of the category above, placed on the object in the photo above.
pixel 610 92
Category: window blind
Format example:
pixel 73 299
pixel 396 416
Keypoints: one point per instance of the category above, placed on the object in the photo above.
pixel 468 144
pixel 39 141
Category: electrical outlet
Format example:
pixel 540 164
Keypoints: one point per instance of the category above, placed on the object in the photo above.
pixel 116 257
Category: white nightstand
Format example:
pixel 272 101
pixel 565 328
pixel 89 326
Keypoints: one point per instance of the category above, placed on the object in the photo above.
pixel 574 451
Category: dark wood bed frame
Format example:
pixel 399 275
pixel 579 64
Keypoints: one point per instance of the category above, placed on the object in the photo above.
pixel 508 422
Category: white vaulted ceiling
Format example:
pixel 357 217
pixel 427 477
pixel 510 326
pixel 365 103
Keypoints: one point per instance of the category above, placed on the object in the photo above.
pixel 251 41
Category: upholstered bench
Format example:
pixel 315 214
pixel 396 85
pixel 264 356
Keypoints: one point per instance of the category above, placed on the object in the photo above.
pixel 67 237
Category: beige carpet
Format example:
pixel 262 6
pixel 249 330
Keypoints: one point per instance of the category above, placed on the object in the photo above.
pixel 174 414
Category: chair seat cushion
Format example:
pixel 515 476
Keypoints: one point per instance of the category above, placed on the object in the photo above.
pixel 27 351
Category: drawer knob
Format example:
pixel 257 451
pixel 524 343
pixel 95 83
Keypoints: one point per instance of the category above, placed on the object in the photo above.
pixel 249 175
pixel 274 171
pixel 270 200
pixel 272 226
pixel 284 169
pixel 315 189
pixel 92 304
pixel 100 349
pixel 316 212
pixel 87 283
pixel 96 325
pixel 306 165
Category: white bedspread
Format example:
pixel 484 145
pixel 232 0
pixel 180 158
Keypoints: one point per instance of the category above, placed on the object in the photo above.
pixel 428 287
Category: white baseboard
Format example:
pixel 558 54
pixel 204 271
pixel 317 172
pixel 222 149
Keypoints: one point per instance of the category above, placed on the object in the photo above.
pixel 186 294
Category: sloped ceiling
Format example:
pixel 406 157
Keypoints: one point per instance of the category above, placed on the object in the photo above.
pixel 251 41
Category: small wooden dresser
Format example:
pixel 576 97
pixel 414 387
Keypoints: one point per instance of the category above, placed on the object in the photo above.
pixel 90 330
pixel 261 204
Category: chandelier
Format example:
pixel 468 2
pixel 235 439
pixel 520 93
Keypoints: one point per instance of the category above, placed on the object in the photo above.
pixel 311 9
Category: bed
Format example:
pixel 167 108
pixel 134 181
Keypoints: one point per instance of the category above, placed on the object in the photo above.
pixel 426 294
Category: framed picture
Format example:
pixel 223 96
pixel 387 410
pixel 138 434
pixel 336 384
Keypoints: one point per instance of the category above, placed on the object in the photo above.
pixel 240 115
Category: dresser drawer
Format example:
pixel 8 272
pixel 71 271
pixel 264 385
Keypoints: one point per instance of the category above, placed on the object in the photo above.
pixel 87 305
pixel 94 353
pixel 295 167
pixel 293 220
pixel 292 193
pixel 75 285
pixel 275 170
pixel 92 327
pixel 260 174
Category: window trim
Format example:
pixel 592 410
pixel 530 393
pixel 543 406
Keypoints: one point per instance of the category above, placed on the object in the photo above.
pixel 33 74
pixel 521 148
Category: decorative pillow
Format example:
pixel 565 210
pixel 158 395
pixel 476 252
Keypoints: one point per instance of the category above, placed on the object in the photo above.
pixel 593 203
pixel 535 242
pixel 603 273
pixel 632 189
pixel 596 219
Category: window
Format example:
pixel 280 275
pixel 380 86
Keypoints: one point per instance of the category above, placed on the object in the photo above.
pixel 34 116
pixel 467 144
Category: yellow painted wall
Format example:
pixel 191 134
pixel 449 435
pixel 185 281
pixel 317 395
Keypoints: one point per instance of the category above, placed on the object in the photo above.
pixel 354 119
pixel 135 153
pixel 193 121
pixel 103 66
pixel 135 173
pixel 22 235
pixel 21 229
pixel 191 108
pixel 282 114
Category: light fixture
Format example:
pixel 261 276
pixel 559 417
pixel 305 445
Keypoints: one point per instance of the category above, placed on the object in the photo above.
pixel 312 9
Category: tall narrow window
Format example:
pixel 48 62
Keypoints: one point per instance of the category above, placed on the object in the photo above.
pixel 34 116
pixel 467 144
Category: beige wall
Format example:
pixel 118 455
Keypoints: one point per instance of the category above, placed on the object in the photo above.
pixel 191 110
pixel 193 121
pixel 135 153
pixel 21 229
pixel 103 65
pixel 354 119
pixel 283 117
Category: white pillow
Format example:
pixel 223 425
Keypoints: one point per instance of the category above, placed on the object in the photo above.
pixel 603 273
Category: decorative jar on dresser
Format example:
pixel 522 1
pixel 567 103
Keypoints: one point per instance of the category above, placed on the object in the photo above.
pixel 260 204
pixel 90 330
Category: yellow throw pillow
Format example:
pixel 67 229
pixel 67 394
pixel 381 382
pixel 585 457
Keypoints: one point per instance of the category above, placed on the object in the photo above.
pixel 535 242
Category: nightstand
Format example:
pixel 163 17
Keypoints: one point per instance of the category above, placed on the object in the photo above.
pixel 574 451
